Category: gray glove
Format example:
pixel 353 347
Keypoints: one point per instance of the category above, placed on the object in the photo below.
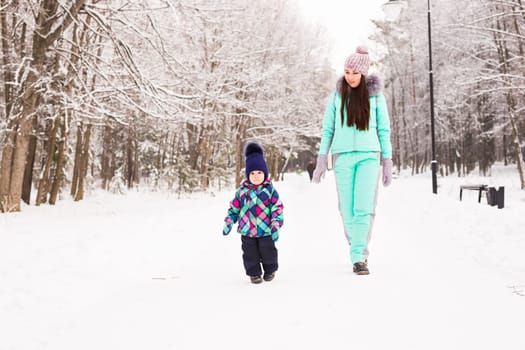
pixel 320 168
pixel 387 171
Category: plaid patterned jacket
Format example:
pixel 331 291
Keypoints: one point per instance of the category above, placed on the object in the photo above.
pixel 257 209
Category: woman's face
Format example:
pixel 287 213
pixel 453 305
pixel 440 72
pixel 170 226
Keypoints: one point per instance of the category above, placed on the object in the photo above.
pixel 256 177
pixel 352 77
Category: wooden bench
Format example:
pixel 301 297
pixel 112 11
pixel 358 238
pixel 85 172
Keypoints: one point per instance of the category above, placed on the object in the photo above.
pixel 479 188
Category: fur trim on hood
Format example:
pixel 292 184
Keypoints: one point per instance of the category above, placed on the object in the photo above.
pixel 373 81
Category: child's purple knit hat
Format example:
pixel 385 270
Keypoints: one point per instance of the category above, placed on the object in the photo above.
pixel 255 159
pixel 359 60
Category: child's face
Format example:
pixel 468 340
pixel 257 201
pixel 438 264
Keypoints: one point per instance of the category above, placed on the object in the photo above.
pixel 256 177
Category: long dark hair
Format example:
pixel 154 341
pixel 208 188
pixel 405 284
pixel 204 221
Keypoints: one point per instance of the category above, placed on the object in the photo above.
pixel 357 104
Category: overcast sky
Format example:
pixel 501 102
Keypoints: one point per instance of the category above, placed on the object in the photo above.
pixel 347 20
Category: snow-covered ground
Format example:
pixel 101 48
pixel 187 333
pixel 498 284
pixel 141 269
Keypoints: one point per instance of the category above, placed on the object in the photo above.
pixel 150 271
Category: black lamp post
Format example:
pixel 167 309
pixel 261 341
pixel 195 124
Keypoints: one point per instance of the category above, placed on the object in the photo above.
pixel 392 9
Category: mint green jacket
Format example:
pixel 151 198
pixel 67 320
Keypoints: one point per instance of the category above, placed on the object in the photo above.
pixel 342 138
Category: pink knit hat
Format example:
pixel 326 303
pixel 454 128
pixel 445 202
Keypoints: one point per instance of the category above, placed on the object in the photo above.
pixel 359 60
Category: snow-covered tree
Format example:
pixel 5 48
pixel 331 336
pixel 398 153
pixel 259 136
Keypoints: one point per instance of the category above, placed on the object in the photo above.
pixel 478 63
pixel 164 90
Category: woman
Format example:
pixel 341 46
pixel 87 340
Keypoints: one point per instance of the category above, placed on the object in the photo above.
pixel 356 127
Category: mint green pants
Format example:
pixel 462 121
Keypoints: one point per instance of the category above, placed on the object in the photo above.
pixel 357 175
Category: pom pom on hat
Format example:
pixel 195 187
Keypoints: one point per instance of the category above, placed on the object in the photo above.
pixel 362 50
pixel 254 154
pixel 359 60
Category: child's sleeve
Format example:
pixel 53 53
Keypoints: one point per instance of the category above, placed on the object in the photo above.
pixel 276 215
pixel 233 214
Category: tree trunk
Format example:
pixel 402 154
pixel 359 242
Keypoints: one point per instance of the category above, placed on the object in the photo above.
pixel 396 131
pixel 5 171
pixel 83 164
pixel 171 159
pixel 517 149
pixel 205 156
pixel 57 182
pixel 517 29
pixel 277 170
pixel 193 138
pixel 129 159
pixel 20 156
pixel 7 149
pixel 43 185
pixel 76 164
pixel 30 163
pixel 136 163
pixel 239 149
pixel 4 35
pixel 106 157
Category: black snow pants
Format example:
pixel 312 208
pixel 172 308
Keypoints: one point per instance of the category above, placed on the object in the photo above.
pixel 259 251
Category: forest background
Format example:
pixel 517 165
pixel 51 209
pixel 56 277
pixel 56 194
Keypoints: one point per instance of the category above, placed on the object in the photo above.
pixel 163 94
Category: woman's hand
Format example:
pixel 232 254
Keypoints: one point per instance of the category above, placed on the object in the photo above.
pixel 320 168
pixel 387 171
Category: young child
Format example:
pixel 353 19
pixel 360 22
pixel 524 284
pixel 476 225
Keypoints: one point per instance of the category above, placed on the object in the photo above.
pixel 259 213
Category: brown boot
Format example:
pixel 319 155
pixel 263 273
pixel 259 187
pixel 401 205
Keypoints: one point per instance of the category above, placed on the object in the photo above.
pixel 361 268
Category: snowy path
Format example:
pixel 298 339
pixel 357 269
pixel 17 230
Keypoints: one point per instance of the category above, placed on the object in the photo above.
pixel 163 277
